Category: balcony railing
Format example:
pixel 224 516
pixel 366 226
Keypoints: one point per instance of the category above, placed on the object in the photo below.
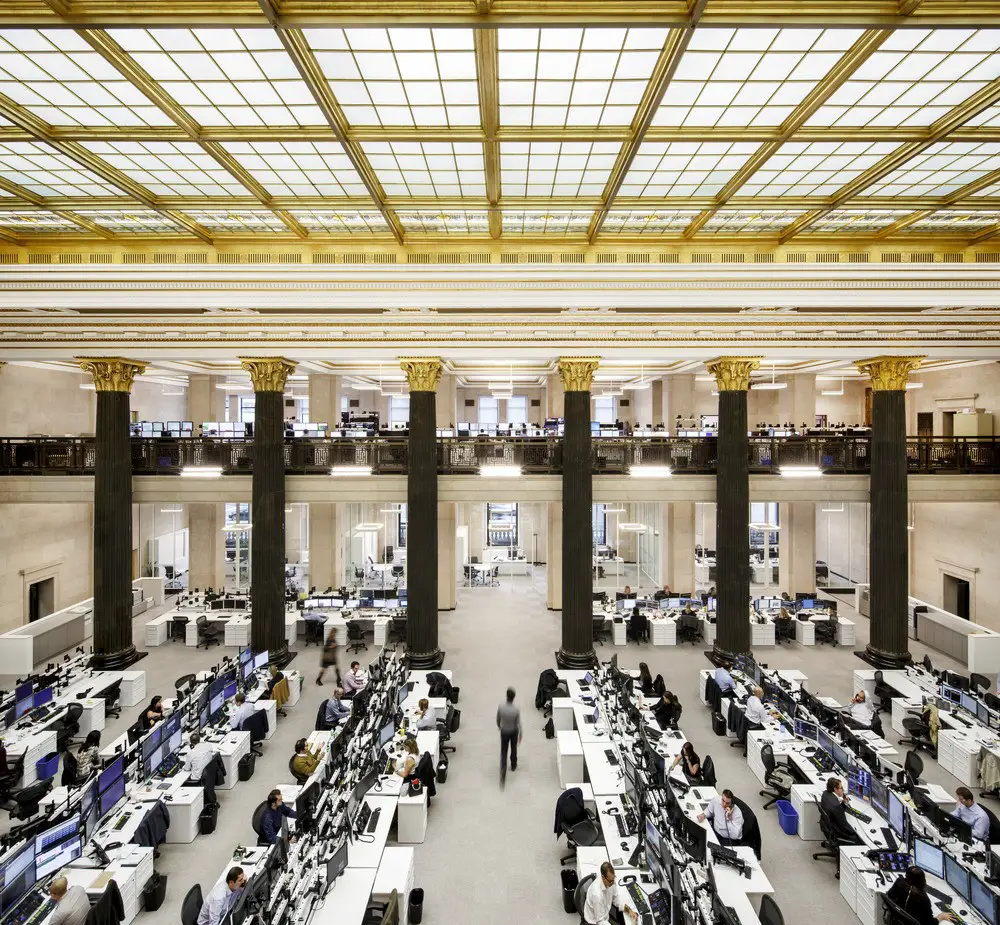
pixel 466 455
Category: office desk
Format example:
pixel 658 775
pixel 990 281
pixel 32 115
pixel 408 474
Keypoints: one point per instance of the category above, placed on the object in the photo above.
pixel 906 686
pixel 34 744
pixel 731 884
pixel 369 854
pixel 191 630
pixel 604 777
pixel 232 747
pixel 184 805
pixel 347 903
pixel 569 756
pixel 411 821
pixel 394 873
pixel 131 867
pixel 589 731
pixel 960 744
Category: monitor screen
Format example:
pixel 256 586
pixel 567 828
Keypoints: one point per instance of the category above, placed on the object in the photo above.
pixel 19 876
pixel 386 734
pixel 956 875
pixel 110 774
pixel 57 846
pixel 806 730
pixel 215 704
pixel 626 603
pixel 151 743
pixel 969 703
pixel 951 693
pixel 896 814
pixel 402 694
pixel 982 713
pixel 111 796
pixel 859 783
pixel 172 737
pixel 246 655
pixel 43 697
pixel 23 691
pixel 336 865
pixel 826 741
pixel 982 898
pixel 89 811
pixel 229 690
pixel 879 796
pixel 246 669
pixel 928 857
pixel 260 660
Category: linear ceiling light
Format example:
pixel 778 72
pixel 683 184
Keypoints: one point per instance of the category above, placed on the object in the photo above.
pixel 500 472
pixel 914 385
pixel 801 472
pixel 236 528
pixel 632 528
pixel 201 472
pixel 650 472
pixel 351 470
pixel 372 527
pixel 769 386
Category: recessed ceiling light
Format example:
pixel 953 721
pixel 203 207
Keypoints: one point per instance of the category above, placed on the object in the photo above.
pixel 540 333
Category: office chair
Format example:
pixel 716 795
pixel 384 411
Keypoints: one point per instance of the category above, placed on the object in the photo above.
pixel 108 910
pixel 495 576
pixel 994 825
pixel 579 825
pixel 831 842
pixel 780 781
pixel 191 906
pixel 979 682
pixel 208 633
pixel 883 693
pixel 927 664
pixel 355 637
pixel 13 775
pixel 580 896
pixel 321 724
pixel 397 571
pixel 397 631
pixel 185 683
pixel 600 633
pixel 71 769
pixel 257 725
pixel 913 767
pixel 257 821
pixel 784 630
pixel 826 631
pixel 25 801
pixel 892 914
pixel 688 628
pixel 178 627
pixel 446 727
pixel 708 777
pixel 299 778
pixel 315 630
pixel 769 913
pixel 919 734
pixel 67 727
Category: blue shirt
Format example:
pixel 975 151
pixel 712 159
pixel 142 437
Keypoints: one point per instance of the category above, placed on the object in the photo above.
pixel 336 710
pixel 270 824
pixel 724 679
pixel 976 816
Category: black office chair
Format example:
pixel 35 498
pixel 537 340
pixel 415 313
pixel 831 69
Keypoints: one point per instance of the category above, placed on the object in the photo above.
pixel 315 631
pixel 578 825
pixel 299 778
pixel 71 769
pixel 831 842
pixel 780 781
pixel 355 637
pixel 784 630
pixel 23 803
pixel 67 727
pixel 112 699
pixel 397 571
pixel 359 573
pixel 10 779
pixel 769 913
pixel 397 631
pixel 257 821
pixel 708 772
pixel 209 633
pixel 919 734
pixel 688 629
pixel 108 910
pixel 994 825
pixel 979 682
pixel 446 727
pixel 257 724
pixel 600 633
pixel 638 628
pixel 883 693
pixel 892 914
pixel 178 627
pixel 826 630
pixel 913 767
pixel 191 906
pixel 926 662
pixel 321 724
pixel 580 896
pixel 185 684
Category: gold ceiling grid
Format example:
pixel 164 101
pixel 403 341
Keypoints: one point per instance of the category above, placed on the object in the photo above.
pixel 416 122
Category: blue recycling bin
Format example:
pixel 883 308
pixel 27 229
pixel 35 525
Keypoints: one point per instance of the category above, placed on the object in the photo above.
pixel 788 819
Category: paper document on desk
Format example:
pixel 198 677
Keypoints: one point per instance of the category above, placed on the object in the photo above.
pixel 102 880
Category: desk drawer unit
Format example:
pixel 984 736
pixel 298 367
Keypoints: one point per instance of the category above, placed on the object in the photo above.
pixel 133 688
pixel 664 633
pixel 156 632
pixel 762 634
pixel 849 881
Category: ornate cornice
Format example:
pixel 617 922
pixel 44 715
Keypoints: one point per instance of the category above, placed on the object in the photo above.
pixel 577 373
pixel 112 374
pixel 268 374
pixel 888 373
pixel 732 374
pixel 422 373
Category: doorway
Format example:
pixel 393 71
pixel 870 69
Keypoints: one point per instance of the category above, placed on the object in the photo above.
pixel 925 423
pixel 41 599
pixel 956 596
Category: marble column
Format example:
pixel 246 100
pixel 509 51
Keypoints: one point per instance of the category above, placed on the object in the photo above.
pixel 205 402
pixel 423 374
pixel 681 533
pixel 325 570
pixel 577 650
pixel 447 575
pixel 206 545
pixel 797 547
pixel 267 538
pixel 888 550
pixel 324 400
pixel 113 378
pixel 732 545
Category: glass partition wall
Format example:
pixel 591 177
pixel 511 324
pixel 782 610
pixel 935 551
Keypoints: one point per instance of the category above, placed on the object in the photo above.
pixel 842 544
pixel 627 546
pixel 372 539
pixel 160 533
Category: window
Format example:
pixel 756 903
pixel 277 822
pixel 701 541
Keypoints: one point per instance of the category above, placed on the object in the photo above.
pixel 399 410
pixel 517 409
pixel 600 524
pixel 488 410
pixel 401 539
pixel 604 409
pixel 501 525
pixel 247 409
pixel 304 411
pixel 764 514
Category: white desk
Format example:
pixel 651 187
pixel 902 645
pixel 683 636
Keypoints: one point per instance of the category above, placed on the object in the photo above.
pixel 232 747
pixel 569 756
pixel 604 777
pixel 394 873
pixel 411 819
pixel 131 868
pixel 369 853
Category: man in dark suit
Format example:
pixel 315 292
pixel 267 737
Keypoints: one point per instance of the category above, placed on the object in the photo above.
pixel 834 803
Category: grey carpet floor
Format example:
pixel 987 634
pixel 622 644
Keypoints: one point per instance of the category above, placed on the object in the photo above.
pixel 491 856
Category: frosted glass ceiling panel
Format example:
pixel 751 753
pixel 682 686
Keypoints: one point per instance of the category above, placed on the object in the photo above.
pixel 299 168
pixel 37 222
pixel 814 169
pixel 132 221
pixel 535 221
pixel 238 221
pixel 954 221
pixel 741 221
pixel 430 168
pixel 43 170
pixel 341 222
pixel 445 222
pixel 941 169
pixel 662 221
pixel 553 168
pixel 683 168
pixel 855 220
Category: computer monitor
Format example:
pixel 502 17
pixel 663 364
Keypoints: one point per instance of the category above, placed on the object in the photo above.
pixel 808 604
pixel 89 810
pixel 928 857
pixel 151 742
pixel 172 737
pixel 695 838
pixel 969 703
pixel 246 654
pixel 111 796
pixel 42 697
pixel 261 659
pixel 110 774
pixel 982 712
pixel 57 846
pixel 625 603
pixel 859 783
pixel 385 734
pixel 215 705
pixel 956 875
pixel 897 815
pixel 19 876
pixel 246 670
pixel 841 756
pixel 304 805
pixel 879 796
pixel 983 899
pixel 337 864
pixel 23 699
pixel 806 730
pixel 229 690
pixel 951 694
pixel 217 605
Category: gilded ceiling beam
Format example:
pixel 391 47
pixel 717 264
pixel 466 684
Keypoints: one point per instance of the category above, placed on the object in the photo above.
pixel 986 234
pixel 488 81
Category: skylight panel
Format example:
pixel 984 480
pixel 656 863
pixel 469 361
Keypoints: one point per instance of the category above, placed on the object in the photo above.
pixel 753 221
pixel 430 168
pixel 224 76
pixel 168 168
pixel 586 77
pixel 445 222
pixel 749 76
pixel 955 221
pixel 943 168
pixel 411 77
pixel 237 221
pixel 915 78
pixel 28 222
pixel 58 77
pixel 568 168
pixel 132 221
pixel 814 169
pixel 853 221
pixel 648 221
pixel 544 221
pixel 45 171
pixel 681 168
pixel 341 221
pixel 299 168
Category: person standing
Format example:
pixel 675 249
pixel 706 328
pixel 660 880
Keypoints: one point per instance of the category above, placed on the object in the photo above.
pixel 329 657
pixel 509 724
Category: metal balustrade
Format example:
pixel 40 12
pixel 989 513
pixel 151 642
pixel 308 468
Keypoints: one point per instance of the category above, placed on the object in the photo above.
pixel 835 455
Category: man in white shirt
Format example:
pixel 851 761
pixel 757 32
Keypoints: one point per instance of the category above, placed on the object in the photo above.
pixel 241 711
pixel 726 818
pixel 198 757
pixel 72 904
pixel 602 894
pixel 968 810
pixel 355 680
pixel 755 711
pixel 861 710
pixel 222 897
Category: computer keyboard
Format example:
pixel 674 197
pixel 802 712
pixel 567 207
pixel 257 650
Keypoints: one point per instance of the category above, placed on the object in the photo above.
pixel 33 908
pixel 611 756
pixel 722 851
pixel 640 902
pixel 864 817
pixel 944 907
pixel 890 839
pixel 363 817
pixel 936 893
pixel 627 824
pixel 373 820
pixel 122 821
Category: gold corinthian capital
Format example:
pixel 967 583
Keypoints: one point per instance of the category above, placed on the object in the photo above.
pixel 577 373
pixel 422 373
pixel 112 374
pixel 732 374
pixel 889 374
pixel 268 374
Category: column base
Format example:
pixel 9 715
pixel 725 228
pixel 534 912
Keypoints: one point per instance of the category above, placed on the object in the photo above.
pixel 886 661
pixel 576 661
pixel 117 661
pixel 420 661
pixel 718 656
pixel 282 656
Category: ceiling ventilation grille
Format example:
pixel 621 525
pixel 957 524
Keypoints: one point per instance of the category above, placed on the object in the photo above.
pixel 952 258
pixel 196 258
pixel 39 258
pixel 637 258
pixel 326 258
pixel 922 258
pixel 480 258
pixel 701 258
pixel 164 258
pixel 289 258
pixel 259 258
pixel 670 258
pixel 571 258
pixel 449 258
pixel 892 258
pixel 731 258
pixel 541 258
pixel 100 258
pixel 354 258
pixel 827 258
pixel 138 258
pixel 607 258
pixel 418 258
pixel 858 257
pixel 763 258
pixel 796 258
pixel 8 258
pixel 510 258
pixel 71 258
pixel 988 257
pixel 230 258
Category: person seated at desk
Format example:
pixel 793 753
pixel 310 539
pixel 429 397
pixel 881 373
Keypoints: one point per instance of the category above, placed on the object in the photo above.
pixel 667 711
pixel 72 904
pixel 276 677
pixel 88 759
pixel 968 810
pixel 727 686
pixel 305 761
pixel 627 592
pixel 199 756
pixel 222 897
pixel 602 894
pixel 660 595
pixel 689 761
pixel 755 711
pixel 835 803
pixel 337 708
pixel 152 714
pixel 638 625
pixel 786 597
pixel 4 767
pixel 426 718
pixel 270 822
pixel 411 756
pixel 861 710
pixel 241 711
pixel 645 680
pixel 726 818
pixel 909 892
pixel 355 680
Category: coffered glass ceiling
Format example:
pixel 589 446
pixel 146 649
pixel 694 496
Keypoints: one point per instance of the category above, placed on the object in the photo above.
pixel 573 120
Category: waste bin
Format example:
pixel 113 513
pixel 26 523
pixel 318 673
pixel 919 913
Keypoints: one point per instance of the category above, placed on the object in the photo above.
pixel 416 905
pixel 154 892
pixel 788 819
pixel 46 767
pixel 570 881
